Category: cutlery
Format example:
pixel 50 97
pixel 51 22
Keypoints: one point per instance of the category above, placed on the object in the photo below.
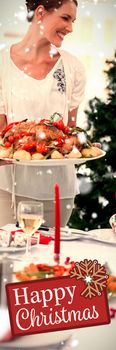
pixel 80 235
pixel 67 232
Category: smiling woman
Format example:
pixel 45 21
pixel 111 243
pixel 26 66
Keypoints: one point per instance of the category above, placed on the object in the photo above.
pixel 63 15
pixel 48 5
pixel 37 80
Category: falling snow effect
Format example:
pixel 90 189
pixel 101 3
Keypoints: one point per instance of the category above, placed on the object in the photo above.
pixel 21 15
pixel 85 185
pixel 68 206
pixel 82 137
pixel 49 172
pixel 71 343
pixel 94 215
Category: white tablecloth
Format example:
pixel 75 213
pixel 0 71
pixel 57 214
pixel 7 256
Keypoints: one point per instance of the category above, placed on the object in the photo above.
pixel 97 338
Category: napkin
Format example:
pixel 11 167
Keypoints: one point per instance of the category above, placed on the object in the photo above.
pixel 43 239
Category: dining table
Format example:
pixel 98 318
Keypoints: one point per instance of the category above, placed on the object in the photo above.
pixel 77 248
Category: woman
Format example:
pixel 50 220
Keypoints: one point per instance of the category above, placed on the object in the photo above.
pixel 37 80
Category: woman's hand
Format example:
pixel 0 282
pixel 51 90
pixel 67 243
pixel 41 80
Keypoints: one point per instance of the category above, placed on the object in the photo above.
pixel 5 162
pixel 72 117
pixel 3 121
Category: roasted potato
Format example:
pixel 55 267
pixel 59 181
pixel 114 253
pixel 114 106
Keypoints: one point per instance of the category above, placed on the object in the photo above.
pixel 74 154
pixel 5 152
pixel 56 155
pixel 22 155
pixel 37 156
pixel 91 152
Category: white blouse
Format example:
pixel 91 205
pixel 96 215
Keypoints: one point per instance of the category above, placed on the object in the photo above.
pixel 21 97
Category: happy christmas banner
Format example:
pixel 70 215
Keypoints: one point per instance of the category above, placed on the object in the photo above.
pixel 54 304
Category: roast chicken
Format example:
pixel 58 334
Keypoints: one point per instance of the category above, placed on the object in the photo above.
pixel 43 140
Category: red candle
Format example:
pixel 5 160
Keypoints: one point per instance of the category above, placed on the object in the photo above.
pixel 57 225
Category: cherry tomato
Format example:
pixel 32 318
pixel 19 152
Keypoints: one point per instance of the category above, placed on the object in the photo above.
pixel 24 133
pixel 41 148
pixel 7 144
pixel 66 129
pixel 32 144
pixel 43 121
pixel 28 145
pixel 60 141
pixel 11 139
pixel 17 136
pixel 59 124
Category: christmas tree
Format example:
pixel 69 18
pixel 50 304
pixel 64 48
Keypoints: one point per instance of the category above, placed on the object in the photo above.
pixel 96 202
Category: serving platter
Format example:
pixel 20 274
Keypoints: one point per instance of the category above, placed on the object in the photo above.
pixel 53 162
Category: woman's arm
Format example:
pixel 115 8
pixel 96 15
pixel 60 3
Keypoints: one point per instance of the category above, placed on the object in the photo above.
pixel 3 121
pixel 72 117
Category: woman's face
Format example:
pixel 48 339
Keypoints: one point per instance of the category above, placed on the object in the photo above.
pixel 58 23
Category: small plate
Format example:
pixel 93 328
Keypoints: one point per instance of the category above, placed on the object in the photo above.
pixel 105 235
pixel 11 249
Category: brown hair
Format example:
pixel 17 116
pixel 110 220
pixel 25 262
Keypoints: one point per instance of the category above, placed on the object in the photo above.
pixel 48 5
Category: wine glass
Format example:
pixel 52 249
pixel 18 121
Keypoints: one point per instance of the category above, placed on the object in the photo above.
pixel 30 217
